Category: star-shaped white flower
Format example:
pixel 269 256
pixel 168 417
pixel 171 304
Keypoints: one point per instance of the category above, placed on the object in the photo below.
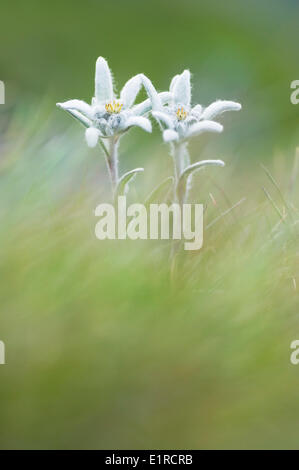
pixel 180 121
pixel 108 116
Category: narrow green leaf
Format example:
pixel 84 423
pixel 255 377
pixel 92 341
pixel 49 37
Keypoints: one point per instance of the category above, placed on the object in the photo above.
pixel 123 183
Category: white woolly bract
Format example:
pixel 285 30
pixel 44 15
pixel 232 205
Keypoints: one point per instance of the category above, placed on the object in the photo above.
pixel 173 82
pixel 146 105
pixel 103 81
pixel 164 118
pixel 197 110
pixel 92 136
pixel 219 107
pixel 139 121
pixel 182 89
pixel 170 135
pixel 130 91
pixel 152 93
pixel 77 105
pixel 204 126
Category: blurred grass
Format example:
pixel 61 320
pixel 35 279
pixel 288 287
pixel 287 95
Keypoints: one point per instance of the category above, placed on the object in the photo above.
pixel 102 351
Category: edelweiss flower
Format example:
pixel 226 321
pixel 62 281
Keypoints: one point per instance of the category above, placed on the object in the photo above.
pixel 180 121
pixel 108 116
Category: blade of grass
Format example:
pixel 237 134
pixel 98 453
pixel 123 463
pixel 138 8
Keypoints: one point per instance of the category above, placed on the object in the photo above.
pixel 294 172
pixel 273 181
pixel 156 191
pixel 223 214
pixel 223 193
pixel 274 205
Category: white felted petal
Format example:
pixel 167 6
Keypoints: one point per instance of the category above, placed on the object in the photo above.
pixel 78 105
pixel 197 110
pixel 191 119
pixel 152 93
pixel 139 121
pixel 219 107
pixel 146 106
pixel 170 135
pixel 142 108
pixel 130 91
pixel 163 117
pixel 80 117
pixel 103 81
pixel 182 89
pixel 173 82
pixel 92 136
pixel 204 126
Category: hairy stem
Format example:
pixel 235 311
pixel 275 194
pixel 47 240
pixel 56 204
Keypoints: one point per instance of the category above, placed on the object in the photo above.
pixel 112 162
pixel 181 161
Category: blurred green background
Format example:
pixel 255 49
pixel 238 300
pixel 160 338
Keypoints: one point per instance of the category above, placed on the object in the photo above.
pixel 102 350
pixel 235 50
